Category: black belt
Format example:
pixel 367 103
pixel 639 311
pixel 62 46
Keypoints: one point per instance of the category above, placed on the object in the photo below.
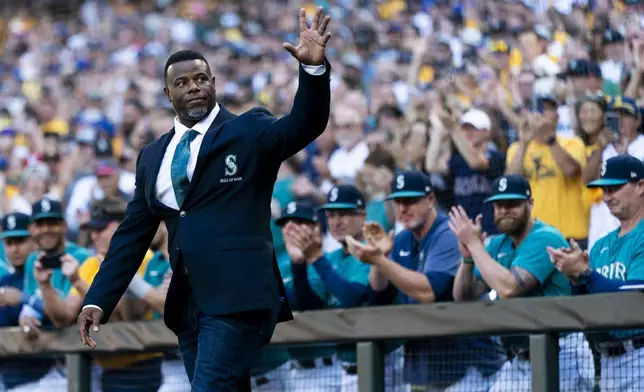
pixel 616 349
pixel 350 369
pixel 310 363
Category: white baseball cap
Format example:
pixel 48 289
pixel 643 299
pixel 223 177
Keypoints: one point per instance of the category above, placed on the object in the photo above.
pixel 478 119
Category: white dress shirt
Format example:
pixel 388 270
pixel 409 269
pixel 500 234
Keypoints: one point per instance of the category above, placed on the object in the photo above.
pixel 163 189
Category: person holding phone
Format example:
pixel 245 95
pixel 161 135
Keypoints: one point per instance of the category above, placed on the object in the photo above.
pixel 44 273
pixel 624 116
pixel 553 164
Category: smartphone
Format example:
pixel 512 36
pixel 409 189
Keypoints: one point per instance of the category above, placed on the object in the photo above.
pixel 51 260
pixel 611 119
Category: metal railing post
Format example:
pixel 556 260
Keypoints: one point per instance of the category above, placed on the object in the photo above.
pixel 79 372
pixel 544 362
pixel 371 367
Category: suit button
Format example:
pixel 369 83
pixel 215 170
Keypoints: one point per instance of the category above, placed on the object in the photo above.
pixel 182 214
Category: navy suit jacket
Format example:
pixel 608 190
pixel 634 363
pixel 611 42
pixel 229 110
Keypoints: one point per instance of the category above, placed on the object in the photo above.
pixel 221 235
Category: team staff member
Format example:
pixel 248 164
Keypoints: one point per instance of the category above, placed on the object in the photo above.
pixel 421 265
pixel 616 259
pixel 515 264
pixel 345 278
pixel 17 373
pixel 310 367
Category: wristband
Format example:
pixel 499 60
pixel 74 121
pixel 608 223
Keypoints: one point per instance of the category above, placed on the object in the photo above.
pixel 139 287
pixel 467 260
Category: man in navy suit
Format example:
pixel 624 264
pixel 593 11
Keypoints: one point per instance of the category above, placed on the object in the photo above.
pixel 210 180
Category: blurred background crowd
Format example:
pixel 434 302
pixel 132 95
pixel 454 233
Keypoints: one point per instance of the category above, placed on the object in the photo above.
pixel 461 90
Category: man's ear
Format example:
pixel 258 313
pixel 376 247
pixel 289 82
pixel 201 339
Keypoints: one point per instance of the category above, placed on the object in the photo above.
pixel 166 91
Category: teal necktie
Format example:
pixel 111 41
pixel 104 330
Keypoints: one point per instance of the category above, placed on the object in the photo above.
pixel 179 167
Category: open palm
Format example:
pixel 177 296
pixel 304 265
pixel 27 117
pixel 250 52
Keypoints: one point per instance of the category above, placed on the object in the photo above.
pixel 376 236
pixel 312 42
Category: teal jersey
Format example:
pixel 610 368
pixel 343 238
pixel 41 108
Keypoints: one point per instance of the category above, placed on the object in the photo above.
pixel 5 267
pixel 620 258
pixel 352 270
pixel 281 193
pixel 377 212
pixel 300 352
pixel 58 281
pixel 155 272
pixel 531 256
pixel 284 265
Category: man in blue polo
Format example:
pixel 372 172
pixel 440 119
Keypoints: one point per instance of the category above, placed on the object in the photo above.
pixel 18 373
pixel 515 264
pixel 616 260
pixel 421 264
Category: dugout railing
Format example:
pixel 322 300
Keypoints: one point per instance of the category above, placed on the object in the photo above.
pixel 541 318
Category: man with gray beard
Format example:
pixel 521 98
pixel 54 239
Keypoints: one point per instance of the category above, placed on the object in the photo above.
pixel 516 264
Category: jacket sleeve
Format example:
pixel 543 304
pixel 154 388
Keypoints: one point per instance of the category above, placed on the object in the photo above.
pixel 127 249
pixel 282 138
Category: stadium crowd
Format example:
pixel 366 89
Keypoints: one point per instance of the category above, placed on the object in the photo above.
pixel 507 108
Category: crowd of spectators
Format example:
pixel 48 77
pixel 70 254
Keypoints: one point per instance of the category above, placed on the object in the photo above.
pixel 464 91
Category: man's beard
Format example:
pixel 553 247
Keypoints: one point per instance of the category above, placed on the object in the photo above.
pixel 517 226
pixel 198 113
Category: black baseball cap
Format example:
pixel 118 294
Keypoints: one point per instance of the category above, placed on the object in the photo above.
pixel 297 210
pixel 510 187
pixel 409 185
pixel 15 225
pixel 344 197
pixel 46 209
pixel 101 217
pixel 619 170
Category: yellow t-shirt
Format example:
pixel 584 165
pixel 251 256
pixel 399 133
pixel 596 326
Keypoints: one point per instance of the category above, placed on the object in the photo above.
pixel 591 196
pixel 557 200
pixel 87 272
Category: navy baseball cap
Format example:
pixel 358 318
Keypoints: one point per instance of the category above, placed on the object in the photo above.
pixel 101 217
pixel 15 225
pixel 510 187
pixel 410 184
pixel 619 170
pixel 344 197
pixel 297 210
pixel 625 104
pixel 47 209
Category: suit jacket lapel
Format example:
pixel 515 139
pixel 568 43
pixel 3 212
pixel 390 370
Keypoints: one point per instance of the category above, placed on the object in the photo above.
pixel 157 154
pixel 222 118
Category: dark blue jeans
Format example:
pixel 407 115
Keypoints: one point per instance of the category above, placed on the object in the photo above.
pixel 141 376
pixel 219 351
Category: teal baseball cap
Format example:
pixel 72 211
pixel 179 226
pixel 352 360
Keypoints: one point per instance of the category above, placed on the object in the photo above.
pixel 619 170
pixel 410 185
pixel 510 187
pixel 344 197
pixel 47 209
pixel 15 225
